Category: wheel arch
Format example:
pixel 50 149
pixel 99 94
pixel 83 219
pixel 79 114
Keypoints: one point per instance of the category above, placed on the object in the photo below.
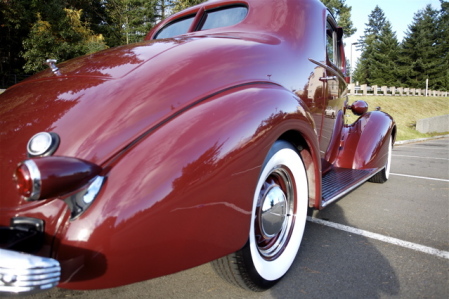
pixel 393 133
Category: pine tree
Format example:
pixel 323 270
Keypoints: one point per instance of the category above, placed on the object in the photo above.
pixel 385 54
pixel 367 44
pixel 419 57
pixel 443 45
pixel 342 14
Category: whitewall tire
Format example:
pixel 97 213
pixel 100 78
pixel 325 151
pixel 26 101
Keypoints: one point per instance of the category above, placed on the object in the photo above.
pixel 278 220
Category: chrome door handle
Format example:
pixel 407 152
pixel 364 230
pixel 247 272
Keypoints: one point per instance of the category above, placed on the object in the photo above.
pixel 325 79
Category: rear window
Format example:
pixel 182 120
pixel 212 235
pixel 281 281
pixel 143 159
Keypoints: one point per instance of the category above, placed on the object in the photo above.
pixel 177 27
pixel 224 17
pixel 211 19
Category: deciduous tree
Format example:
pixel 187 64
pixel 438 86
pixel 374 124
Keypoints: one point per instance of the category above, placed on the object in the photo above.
pixel 183 4
pixel 33 30
pixel 59 39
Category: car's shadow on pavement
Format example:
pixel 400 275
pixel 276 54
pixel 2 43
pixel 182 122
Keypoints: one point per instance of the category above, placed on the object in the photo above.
pixel 337 264
pixel 331 264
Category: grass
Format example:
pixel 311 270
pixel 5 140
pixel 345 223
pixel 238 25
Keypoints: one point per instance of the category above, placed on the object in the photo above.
pixel 406 111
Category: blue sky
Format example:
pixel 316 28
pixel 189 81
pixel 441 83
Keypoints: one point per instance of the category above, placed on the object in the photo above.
pixel 399 12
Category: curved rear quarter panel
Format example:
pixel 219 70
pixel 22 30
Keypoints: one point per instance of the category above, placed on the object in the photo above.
pixel 182 196
pixel 365 142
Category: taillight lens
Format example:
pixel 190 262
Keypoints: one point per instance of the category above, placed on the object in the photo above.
pixel 24 183
pixel 49 177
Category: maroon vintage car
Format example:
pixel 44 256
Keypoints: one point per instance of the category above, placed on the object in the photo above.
pixel 209 141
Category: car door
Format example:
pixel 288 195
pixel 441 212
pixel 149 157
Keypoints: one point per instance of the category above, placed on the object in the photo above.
pixel 334 98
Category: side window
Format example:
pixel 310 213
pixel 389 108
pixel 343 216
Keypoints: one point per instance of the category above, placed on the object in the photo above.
pixel 224 17
pixel 175 28
pixel 331 43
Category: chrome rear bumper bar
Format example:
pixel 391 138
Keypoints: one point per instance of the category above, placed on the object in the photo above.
pixel 22 273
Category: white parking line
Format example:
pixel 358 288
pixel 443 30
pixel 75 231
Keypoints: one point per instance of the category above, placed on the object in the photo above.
pixel 420 177
pixel 421 157
pixel 394 241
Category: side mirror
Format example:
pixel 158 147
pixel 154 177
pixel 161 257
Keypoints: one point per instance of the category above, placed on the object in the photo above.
pixel 359 107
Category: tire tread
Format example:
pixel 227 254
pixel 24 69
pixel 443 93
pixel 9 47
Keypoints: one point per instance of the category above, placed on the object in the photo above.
pixel 232 269
pixel 379 178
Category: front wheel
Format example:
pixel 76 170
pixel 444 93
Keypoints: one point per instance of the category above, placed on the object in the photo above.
pixel 277 223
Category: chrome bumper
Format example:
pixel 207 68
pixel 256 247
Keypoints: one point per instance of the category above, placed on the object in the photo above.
pixel 22 273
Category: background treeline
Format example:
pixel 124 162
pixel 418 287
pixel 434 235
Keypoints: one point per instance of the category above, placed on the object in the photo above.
pixel 423 53
pixel 34 30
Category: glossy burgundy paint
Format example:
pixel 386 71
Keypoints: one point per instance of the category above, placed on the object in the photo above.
pixel 365 142
pixel 180 128
pixel 359 107
pixel 185 222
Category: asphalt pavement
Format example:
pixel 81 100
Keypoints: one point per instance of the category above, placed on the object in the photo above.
pixel 380 241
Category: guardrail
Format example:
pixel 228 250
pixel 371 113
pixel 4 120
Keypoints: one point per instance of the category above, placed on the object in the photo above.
pixel 375 90
pixel 7 80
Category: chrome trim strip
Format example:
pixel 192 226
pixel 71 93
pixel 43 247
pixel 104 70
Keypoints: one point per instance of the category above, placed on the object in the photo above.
pixel 93 190
pixel 36 179
pixel 328 68
pixel 22 273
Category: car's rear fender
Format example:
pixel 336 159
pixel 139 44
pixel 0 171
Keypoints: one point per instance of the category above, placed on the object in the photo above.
pixel 364 144
pixel 181 196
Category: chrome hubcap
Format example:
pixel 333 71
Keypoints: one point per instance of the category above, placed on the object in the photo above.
pixel 275 214
pixel 273 211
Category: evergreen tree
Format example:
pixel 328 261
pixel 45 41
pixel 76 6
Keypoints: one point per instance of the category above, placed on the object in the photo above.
pixel 385 51
pixel 367 44
pixel 419 57
pixel 342 14
pixel 443 44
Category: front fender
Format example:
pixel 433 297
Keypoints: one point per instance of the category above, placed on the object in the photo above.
pixel 365 142
pixel 181 196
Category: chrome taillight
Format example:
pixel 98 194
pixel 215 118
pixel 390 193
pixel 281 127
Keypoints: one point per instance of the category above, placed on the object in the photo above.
pixel 49 177
pixel 28 180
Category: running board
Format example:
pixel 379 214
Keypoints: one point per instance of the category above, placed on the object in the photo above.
pixel 340 181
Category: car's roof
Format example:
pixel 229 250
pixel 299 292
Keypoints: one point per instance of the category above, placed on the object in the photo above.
pixel 269 16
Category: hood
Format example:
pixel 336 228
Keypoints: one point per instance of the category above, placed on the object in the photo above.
pixel 103 102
